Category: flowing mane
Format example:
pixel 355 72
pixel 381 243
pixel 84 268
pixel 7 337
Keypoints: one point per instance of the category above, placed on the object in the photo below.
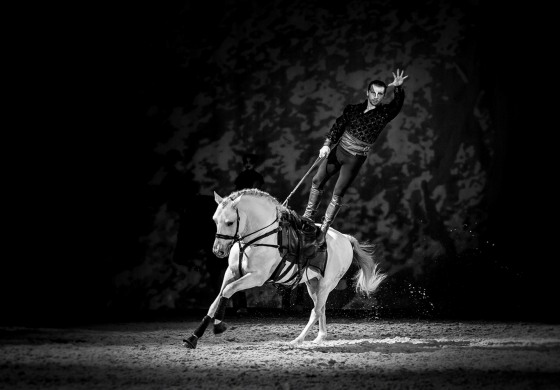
pixel 252 192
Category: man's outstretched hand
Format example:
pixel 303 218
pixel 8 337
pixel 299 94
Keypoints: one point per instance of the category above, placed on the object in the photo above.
pixel 399 78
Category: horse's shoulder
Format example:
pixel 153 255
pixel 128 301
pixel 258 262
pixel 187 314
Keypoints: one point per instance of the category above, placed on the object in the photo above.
pixel 234 254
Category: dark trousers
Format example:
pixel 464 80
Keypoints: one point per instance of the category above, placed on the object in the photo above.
pixel 338 160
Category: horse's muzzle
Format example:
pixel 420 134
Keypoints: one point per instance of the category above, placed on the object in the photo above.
pixel 221 250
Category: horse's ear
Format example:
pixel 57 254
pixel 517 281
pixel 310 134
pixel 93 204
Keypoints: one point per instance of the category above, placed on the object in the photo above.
pixel 217 198
pixel 235 202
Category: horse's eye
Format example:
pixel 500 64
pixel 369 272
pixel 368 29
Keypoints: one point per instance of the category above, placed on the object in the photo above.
pixel 229 223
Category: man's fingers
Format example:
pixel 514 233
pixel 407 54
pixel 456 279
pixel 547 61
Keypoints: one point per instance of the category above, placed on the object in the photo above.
pixel 399 76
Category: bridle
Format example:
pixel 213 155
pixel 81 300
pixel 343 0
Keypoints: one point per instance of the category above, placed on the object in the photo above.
pixel 236 238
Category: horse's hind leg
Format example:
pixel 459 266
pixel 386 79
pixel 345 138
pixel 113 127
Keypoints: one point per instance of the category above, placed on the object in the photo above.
pixel 320 307
pixel 321 310
pixel 317 313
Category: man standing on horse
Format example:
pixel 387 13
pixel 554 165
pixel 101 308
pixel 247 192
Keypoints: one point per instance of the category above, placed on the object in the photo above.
pixel 350 140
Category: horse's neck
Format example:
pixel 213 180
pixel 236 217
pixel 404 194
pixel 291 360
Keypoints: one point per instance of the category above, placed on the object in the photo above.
pixel 260 213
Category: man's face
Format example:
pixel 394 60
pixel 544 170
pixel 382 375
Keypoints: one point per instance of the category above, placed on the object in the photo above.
pixel 248 164
pixel 375 94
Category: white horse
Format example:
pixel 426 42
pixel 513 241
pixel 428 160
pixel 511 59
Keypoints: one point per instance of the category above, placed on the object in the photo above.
pixel 250 219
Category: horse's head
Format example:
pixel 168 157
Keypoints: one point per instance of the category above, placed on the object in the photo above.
pixel 228 220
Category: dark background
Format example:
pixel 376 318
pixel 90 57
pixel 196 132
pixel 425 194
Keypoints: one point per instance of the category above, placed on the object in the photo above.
pixel 83 152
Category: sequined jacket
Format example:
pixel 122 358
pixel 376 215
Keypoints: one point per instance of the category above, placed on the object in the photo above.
pixel 366 127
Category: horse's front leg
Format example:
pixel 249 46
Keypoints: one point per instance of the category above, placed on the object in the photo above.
pixel 192 340
pixel 249 280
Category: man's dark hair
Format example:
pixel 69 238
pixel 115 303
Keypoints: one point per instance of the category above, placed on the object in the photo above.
pixel 379 83
pixel 248 157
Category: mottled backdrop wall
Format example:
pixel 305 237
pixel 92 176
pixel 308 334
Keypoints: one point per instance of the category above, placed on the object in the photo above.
pixel 270 79
pixel 170 96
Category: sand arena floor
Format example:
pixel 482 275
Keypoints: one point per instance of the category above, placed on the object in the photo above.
pixel 254 354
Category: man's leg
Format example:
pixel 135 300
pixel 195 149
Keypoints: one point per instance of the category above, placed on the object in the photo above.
pixel 326 170
pixel 313 202
pixel 350 166
pixel 330 214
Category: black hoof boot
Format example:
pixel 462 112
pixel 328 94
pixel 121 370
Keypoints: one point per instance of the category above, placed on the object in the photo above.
pixel 190 343
pixel 220 328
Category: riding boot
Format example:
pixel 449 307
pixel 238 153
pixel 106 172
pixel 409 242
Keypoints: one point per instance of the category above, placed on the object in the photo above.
pixel 313 203
pixel 330 214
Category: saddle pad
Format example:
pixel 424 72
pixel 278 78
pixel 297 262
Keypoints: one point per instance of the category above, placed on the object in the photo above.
pixel 297 243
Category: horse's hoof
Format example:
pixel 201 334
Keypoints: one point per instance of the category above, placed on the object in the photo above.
pixel 220 328
pixel 190 343
pixel 295 343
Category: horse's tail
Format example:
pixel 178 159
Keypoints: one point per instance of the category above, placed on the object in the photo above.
pixel 368 277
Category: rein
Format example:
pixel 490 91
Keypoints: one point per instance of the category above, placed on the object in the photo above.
pixel 236 238
pixel 317 161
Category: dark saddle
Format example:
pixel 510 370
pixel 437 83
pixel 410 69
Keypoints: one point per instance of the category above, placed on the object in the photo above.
pixel 297 243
